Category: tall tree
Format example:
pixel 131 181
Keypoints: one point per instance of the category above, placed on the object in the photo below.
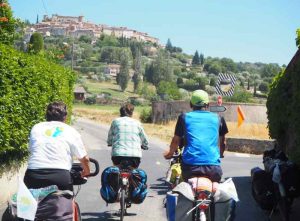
pixel 137 76
pixel 169 46
pixel 7 23
pixel 36 43
pixel 201 58
pixel 196 59
pixel 123 76
pixel 298 38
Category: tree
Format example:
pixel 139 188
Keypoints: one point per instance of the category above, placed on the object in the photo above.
pixel 270 70
pixel 169 46
pixel 7 23
pixel 124 71
pixel 201 58
pixel 264 87
pixel 298 38
pixel 36 43
pixel 196 59
pixel 159 70
pixel 168 90
pixel 86 39
pixel 137 76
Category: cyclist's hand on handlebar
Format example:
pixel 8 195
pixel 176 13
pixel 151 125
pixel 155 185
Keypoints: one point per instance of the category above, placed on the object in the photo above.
pixel 84 174
pixel 168 155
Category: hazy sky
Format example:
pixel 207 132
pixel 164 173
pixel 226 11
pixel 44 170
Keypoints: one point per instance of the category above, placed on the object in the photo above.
pixel 244 30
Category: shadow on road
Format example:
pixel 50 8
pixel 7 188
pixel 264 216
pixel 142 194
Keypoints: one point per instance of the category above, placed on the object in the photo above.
pixel 161 187
pixel 247 209
pixel 107 215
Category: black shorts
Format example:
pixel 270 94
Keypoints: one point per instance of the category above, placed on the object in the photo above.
pixel 133 161
pixel 213 172
pixel 39 178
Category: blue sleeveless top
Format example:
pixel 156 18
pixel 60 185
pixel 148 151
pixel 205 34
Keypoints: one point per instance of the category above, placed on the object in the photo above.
pixel 201 137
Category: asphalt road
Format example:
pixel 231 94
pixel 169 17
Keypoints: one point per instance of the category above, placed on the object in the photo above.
pixel 234 165
pixel 93 208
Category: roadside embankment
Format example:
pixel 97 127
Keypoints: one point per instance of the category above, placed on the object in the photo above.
pixel 252 146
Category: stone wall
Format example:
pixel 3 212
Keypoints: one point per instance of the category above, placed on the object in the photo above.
pixel 248 146
pixel 165 111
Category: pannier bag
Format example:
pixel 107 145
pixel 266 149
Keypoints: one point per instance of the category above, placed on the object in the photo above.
pixel 110 184
pixel 290 178
pixel 289 172
pixel 138 187
pixel 262 188
pixel 181 200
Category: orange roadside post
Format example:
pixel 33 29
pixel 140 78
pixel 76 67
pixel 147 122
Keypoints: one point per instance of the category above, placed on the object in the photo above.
pixel 240 115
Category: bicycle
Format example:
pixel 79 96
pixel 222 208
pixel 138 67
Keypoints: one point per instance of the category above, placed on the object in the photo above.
pixel 173 175
pixel 203 209
pixel 124 183
pixel 10 213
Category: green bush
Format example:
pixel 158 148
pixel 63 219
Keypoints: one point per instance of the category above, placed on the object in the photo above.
pixel 90 100
pixel 27 84
pixel 146 116
pixel 283 107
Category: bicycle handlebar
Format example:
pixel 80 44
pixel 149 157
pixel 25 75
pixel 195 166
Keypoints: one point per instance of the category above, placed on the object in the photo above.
pixel 97 168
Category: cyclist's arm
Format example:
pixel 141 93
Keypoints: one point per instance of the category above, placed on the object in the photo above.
pixel 144 139
pixel 85 165
pixel 173 147
pixel 110 135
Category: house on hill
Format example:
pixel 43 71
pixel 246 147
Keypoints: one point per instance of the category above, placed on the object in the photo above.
pixel 112 70
pixel 79 93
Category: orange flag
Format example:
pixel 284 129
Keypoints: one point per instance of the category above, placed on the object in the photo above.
pixel 240 115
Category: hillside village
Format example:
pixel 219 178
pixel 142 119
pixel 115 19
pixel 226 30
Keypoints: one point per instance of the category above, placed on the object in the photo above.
pixel 76 26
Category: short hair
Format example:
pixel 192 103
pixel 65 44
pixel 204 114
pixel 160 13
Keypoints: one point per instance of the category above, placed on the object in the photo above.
pixel 56 111
pixel 126 110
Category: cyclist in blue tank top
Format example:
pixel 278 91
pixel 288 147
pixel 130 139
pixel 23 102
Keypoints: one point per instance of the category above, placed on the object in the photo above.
pixel 203 132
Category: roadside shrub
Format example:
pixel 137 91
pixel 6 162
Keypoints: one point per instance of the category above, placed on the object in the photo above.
pixel 283 107
pixel 27 84
pixel 90 100
pixel 146 116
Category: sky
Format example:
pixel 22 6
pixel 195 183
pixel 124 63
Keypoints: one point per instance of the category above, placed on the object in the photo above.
pixel 243 30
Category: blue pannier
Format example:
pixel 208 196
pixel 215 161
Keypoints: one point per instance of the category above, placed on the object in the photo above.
pixel 110 184
pixel 138 187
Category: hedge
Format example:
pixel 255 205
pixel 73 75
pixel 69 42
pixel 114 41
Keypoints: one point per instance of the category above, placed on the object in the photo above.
pixel 283 107
pixel 27 84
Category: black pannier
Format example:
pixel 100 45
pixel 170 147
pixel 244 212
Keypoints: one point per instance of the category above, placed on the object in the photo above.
pixel 262 188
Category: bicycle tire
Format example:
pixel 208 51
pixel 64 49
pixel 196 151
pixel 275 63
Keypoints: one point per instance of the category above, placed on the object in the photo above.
pixel 77 213
pixel 122 205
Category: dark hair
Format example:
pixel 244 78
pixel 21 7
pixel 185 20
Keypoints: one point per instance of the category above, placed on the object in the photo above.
pixel 56 111
pixel 203 107
pixel 126 110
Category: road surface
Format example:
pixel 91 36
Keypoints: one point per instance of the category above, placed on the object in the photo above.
pixel 93 208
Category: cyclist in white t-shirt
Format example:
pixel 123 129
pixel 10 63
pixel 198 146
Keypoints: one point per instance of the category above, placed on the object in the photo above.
pixel 52 146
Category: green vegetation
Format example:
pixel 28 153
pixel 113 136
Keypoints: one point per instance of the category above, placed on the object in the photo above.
pixel 36 43
pixel 283 109
pixel 27 84
pixel 298 38
pixel 7 23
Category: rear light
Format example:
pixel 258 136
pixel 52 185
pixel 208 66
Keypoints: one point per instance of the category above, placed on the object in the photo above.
pixel 202 196
pixel 203 206
pixel 124 175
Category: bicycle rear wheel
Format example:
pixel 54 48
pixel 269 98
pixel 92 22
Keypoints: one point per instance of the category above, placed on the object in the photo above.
pixel 122 204
pixel 77 214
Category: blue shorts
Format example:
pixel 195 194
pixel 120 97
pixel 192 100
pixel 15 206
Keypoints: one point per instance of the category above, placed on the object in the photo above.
pixel 213 172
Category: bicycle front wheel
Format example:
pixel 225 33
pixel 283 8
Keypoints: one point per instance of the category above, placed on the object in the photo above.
pixel 122 204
